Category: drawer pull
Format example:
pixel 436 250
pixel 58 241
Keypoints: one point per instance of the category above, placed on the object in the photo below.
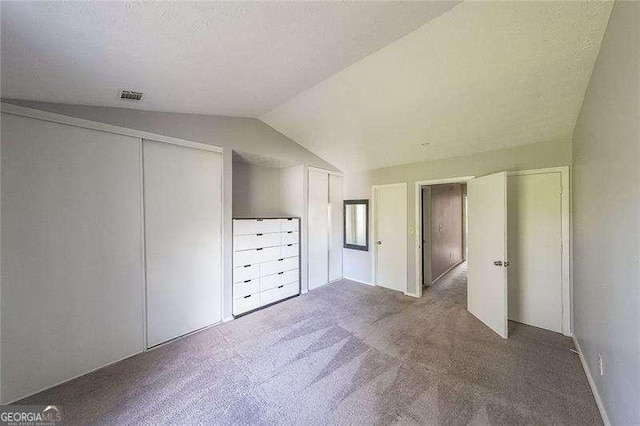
pixel 247 281
pixel 280 286
pixel 259 249
pixel 290 218
pixel 247 266
pixel 246 297
pixel 289 232
pixel 289 245
pixel 280 260
pixel 259 235
pixel 280 273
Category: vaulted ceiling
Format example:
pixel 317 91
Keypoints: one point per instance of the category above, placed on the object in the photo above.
pixel 207 57
pixel 482 76
pixel 361 84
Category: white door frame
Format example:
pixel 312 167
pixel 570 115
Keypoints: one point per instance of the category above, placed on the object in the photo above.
pixel 418 224
pixel 567 249
pixel 374 237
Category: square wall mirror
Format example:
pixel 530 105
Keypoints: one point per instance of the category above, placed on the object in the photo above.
pixel 356 224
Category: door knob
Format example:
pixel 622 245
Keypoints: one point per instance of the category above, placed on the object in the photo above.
pixel 498 263
pixel 378 242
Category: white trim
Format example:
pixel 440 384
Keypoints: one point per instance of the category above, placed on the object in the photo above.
pixel 374 238
pixel 592 384
pixel 227 319
pixel 318 169
pixel 418 223
pixel 359 281
pixel 103 127
pixel 567 253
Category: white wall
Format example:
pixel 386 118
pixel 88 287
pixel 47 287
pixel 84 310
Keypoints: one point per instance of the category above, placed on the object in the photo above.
pixel 358 185
pixel 293 202
pixel 606 190
pixel 256 190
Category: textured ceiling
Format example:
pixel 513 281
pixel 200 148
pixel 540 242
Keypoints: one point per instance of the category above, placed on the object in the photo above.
pixel 482 76
pixel 201 57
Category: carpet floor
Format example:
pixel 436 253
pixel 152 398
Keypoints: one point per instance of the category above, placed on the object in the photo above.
pixel 345 353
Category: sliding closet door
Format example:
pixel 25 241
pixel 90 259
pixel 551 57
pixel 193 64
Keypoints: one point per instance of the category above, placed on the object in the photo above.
pixel 318 229
pixel 335 227
pixel 183 221
pixel 72 244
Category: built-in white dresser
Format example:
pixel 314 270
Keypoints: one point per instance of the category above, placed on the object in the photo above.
pixel 266 262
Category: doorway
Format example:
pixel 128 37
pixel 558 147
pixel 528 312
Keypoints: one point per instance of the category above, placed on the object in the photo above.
pixel 444 225
pixel 530 209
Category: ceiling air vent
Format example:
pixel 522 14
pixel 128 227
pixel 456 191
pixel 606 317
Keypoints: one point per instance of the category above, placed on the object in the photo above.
pixel 129 95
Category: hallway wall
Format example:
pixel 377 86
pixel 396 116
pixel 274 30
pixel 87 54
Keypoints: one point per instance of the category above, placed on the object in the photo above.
pixel 446 228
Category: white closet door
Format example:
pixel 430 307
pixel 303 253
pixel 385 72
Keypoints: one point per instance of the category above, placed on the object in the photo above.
pixel 335 227
pixel 318 229
pixel 183 217
pixel 72 265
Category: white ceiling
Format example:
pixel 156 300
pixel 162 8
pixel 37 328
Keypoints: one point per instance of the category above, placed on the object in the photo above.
pixel 482 76
pixel 238 59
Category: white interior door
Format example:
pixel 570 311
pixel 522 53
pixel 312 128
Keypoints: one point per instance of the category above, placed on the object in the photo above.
pixel 318 229
pixel 183 217
pixel 535 250
pixel 487 274
pixel 335 227
pixel 390 236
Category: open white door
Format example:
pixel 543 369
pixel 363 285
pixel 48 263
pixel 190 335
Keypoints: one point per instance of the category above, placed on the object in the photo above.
pixel 487 272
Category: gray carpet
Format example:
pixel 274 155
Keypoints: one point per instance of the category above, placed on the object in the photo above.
pixel 346 353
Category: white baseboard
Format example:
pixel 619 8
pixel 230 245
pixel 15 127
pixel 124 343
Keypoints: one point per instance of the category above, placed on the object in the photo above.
pixel 592 384
pixel 359 281
pixel 448 270
pixel 227 319
pixel 412 294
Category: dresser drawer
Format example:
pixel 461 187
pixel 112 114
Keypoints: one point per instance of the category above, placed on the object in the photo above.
pixel 291 276
pixel 255 226
pixel 245 242
pixel 290 250
pixel 251 257
pixel 272 281
pixel 245 304
pixel 290 237
pixel 289 224
pixel 278 293
pixel 280 265
pixel 245 288
pixel 245 272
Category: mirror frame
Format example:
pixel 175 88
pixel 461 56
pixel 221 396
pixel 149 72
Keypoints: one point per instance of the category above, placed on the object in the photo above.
pixel 344 224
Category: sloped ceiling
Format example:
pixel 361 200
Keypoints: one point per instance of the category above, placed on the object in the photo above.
pixel 482 76
pixel 206 57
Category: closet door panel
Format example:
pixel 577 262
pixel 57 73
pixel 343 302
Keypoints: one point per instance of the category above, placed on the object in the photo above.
pixel 72 264
pixel 183 214
pixel 335 227
pixel 318 226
